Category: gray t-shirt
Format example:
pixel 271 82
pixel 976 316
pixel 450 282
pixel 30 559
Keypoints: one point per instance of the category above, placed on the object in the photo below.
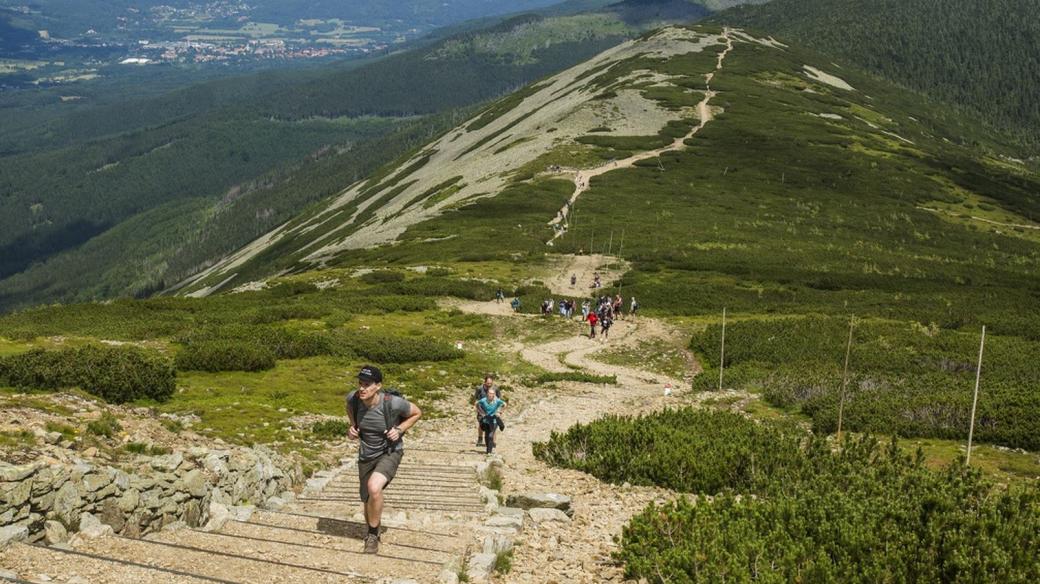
pixel 372 424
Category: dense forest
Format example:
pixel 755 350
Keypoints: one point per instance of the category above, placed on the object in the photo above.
pixel 982 55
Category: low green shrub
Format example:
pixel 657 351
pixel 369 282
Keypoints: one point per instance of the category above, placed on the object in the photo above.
pixel 865 515
pixel 382 277
pixel 225 355
pixel 115 374
pixel 330 429
pixel 685 450
pixel 273 314
pixel 149 449
pixel 578 376
pixel 107 425
pixel 907 379
pixel 385 348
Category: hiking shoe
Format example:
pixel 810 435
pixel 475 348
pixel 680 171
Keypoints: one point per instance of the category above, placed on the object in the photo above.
pixel 371 544
pixel 480 442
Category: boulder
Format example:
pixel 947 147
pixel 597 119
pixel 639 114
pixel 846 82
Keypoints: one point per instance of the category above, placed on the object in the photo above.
pixel 13 473
pixel 67 503
pixel 90 527
pixel 479 567
pixel 112 515
pixel 218 516
pixel 94 482
pixel 129 500
pixel 540 501
pixel 516 523
pixel 168 462
pixel 55 532
pixel 14 494
pixel 12 534
pixel 195 483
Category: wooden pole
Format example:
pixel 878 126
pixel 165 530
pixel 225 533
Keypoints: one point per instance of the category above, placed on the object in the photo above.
pixel 975 400
pixel 722 351
pixel 610 244
pixel 621 246
pixel 845 378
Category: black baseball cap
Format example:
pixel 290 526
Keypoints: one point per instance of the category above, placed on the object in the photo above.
pixel 370 373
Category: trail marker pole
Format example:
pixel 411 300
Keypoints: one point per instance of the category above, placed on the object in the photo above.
pixel 975 400
pixel 845 378
pixel 722 351
pixel 611 243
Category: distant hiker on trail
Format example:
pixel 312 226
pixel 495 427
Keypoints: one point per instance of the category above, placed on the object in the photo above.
pixel 585 311
pixel 592 325
pixel 489 406
pixel 480 393
pixel 616 306
pixel 634 307
pixel 563 308
pixel 499 296
pixel 605 324
pixel 574 280
pixel 515 304
pixel 379 419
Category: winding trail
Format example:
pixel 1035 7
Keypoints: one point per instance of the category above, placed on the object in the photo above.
pixel 578 551
pixel 583 177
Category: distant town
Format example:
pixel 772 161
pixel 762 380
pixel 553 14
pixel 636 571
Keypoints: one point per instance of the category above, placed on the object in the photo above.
pixel 219 33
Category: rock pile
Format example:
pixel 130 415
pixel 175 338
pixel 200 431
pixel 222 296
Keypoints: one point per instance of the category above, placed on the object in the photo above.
pixel 40 501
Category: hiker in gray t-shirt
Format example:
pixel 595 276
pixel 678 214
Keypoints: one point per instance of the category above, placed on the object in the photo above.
pixel 379 419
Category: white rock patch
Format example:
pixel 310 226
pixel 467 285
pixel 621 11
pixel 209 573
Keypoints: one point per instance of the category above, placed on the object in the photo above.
pixel 826 78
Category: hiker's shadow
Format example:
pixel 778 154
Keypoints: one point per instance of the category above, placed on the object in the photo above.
pixel 342 528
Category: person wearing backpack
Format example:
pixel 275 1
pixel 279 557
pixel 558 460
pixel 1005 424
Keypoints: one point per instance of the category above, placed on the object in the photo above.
pixel 378 420
pixel 489 406
pixel 478 394
pixel 592 324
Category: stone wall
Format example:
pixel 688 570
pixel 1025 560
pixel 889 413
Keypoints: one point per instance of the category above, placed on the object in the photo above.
pixel 43 501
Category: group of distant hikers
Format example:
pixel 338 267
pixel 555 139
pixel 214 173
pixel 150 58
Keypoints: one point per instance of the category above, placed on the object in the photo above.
pixel 379 419
pixel 602 311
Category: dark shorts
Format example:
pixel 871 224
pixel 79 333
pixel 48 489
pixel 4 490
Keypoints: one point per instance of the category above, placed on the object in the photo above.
pixel 385 464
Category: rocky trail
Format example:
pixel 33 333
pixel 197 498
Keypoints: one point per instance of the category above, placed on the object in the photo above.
pixel 440 519
pixel 583 177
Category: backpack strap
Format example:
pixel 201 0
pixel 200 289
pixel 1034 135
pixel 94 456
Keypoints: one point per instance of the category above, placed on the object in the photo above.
pixel 352 407
pixel 387 399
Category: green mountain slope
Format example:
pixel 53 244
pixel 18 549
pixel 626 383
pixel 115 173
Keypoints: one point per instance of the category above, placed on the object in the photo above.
pixel 982 55
pixel 77 178
pixel 793 192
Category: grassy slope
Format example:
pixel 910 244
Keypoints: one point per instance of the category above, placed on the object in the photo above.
pixel 255 407
pixel 773 210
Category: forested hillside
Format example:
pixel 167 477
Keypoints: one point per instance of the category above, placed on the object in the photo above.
pixel 982 55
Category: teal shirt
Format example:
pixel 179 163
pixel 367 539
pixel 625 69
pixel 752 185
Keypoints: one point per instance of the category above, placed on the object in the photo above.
pixel 491 409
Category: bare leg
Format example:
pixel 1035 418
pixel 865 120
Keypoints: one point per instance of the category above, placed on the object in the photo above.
pixel 374 505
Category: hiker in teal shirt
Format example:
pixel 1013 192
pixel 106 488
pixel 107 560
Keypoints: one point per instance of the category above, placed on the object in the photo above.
pixel 490 421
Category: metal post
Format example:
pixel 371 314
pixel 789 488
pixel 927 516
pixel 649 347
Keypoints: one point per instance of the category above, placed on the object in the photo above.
pixel 611 243
pixel 975 401
pixel 722 352
pixel 845 379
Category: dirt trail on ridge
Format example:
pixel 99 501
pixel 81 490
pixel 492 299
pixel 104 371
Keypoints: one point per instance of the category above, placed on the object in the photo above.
pixel 582 177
